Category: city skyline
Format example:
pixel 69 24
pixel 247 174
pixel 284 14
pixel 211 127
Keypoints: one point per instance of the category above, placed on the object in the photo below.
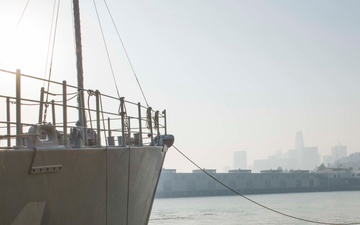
pixel 292 159
pixel 309 159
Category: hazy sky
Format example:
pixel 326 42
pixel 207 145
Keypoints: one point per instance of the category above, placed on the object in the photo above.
pixel 233 75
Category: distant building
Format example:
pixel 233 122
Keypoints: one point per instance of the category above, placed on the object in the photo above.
pixel 328 160
pixel 301 157
pixel 352 161
pixel 239 171
pixel 267 181
pixel 299 171
pixel 240 160
pixel 310 158
pixel 260 164
pixel 299 141
pixel 339 152
pixel 293 154
pixel 271 171
pixel 275 161
pixel 168 170
pixel 206 170
pixel 292 159
pixel 226 169
pixel 290 163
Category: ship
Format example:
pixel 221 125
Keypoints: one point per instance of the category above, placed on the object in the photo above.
pixel 102 167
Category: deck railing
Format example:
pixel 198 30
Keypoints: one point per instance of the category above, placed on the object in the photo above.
pixel 110 120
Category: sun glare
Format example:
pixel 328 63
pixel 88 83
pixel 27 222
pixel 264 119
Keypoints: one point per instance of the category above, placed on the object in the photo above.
pixel 23 45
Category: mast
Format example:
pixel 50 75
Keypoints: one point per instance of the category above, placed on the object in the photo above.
pixel 79 64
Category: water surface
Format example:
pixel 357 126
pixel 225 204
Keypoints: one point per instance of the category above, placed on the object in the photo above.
pixel 332 207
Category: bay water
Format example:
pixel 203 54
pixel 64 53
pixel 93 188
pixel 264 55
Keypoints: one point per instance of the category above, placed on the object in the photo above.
pixel 328 207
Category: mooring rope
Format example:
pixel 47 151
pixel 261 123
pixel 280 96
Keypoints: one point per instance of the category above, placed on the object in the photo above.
pixel 257 203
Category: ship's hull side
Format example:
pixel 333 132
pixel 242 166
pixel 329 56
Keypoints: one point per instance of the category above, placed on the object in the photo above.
pixel 78 186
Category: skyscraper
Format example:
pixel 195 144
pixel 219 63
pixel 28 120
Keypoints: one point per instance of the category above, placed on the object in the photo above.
pixel 310 158
pixel 338 152
pixel 240 160
pixel 299 141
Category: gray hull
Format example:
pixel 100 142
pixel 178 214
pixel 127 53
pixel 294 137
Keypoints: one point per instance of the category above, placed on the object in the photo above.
pixel 58 186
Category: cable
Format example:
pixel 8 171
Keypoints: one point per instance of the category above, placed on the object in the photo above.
pixel 256 203
pixel 49 41
pixel 107 50
pixel 22 14
pixel 52 56
pixel 127 55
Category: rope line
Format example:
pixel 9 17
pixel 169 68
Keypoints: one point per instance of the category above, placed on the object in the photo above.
pixel 106 48
pixel 22 14
pixel 52 55
pixel 127 55
pixel 257 203
pixel 49 42
pixel 72 97
pixel 54 94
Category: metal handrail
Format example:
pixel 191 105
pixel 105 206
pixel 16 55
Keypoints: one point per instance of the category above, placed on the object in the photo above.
pixel 129 111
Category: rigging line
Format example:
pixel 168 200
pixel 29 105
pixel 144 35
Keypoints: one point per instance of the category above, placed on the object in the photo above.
pixel 127 55
pixel 72 97
pixel 22 14
pixel 18 23
pixel 52 56
pixel 49 42
pixel 106 48
pixel 53 46
pixel 54 94
pixel 257 203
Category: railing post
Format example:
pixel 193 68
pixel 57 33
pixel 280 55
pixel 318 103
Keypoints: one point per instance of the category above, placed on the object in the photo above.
pixel 8 121
pixel 65 114
pixel 140 124
pixel 157 126
pixel 129 131
pixel 110 139
pixel 109 131
pixel 41 106
pixel 53 112
pixel 19 139
pixel 164 113
pixel 122 114
pixel 98 141
pixel 150 125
